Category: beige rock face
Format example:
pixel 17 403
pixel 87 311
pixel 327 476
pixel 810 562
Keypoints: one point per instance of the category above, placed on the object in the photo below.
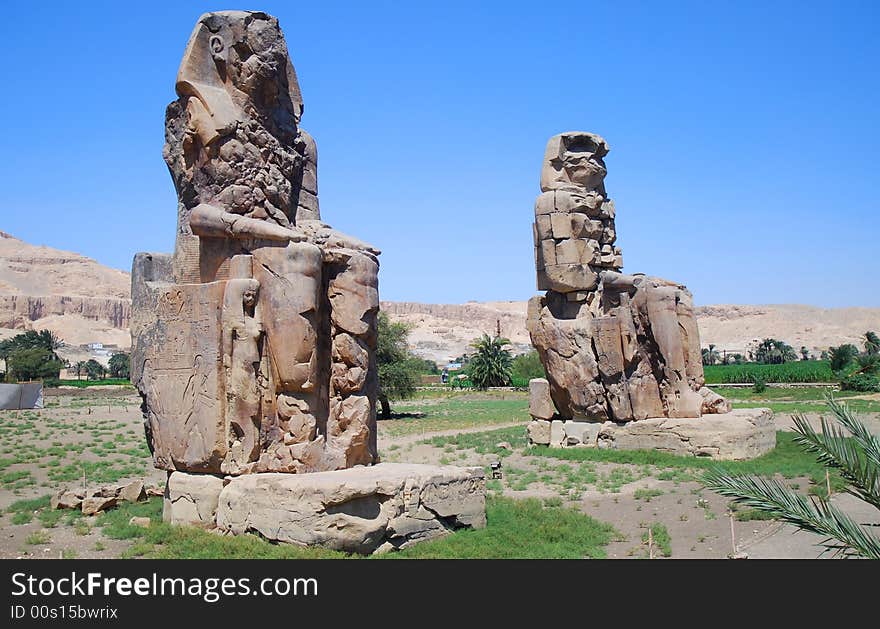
pixel 253 345
pixel 615 347
pixel 364 510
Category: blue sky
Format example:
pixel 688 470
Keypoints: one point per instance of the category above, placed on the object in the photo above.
pixel 743 135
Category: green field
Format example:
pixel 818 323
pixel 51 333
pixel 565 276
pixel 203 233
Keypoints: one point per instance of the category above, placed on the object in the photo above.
pixel 800 371
pixel 93 383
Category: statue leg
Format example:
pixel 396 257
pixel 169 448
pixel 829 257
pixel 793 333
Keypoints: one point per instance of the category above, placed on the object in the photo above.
pixel 291 304
pixel 353 295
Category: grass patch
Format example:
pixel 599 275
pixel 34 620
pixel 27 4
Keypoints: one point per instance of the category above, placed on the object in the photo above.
pixel 29 505
pixel 662 541
pixel 22 517
pixel 521 529
pixel 647 494
pixel 457 411
pixel 516 529
pixel 37 538
pixel 483 442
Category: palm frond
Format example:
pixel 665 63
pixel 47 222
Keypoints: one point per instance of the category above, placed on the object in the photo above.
pixel 843 534
pixel 857 457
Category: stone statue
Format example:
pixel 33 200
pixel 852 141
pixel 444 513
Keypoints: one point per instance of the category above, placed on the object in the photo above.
pixel 615 347
pixel 265 316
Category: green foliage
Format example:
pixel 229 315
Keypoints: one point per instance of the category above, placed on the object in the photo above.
pixel 647 494
pixel 521 529
pixel 32 504
pixel 862 382
pixel 33 364
pixel 457 412
pixel 83 384
pixel 120 365
pixel 842 356
pixel 38 538
pixel 798 371
pixel 398 373
pixel 759 385
pixel 525 367
pixel 872 343
pixel 661 539
pixel 855 458
pixel 490 366
pixel 95 370
pixel 787 459
pixel 22 517
pixel 710 355
pixel 32 339
pixel 774 352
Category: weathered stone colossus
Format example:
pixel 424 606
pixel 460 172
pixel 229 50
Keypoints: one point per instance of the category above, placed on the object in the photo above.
pixel 615 347
pixel 253 345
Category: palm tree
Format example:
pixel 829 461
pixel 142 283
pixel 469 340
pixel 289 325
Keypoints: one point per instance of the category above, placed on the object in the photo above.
pixel 872 343
pixel 711 355
pixel 80 369
pixel 856 457
pixel 842 356
pixel 491 365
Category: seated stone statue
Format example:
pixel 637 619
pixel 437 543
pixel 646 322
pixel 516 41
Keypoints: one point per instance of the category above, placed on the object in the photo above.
pixel 615 347
pixel 262 306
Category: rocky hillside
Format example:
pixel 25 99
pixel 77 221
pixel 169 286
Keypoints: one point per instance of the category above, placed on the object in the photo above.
pixel 442 332
pixel 74 296
pixel 85 302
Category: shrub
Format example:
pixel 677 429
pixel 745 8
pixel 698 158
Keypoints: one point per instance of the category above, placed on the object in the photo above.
pixel 759 385
pixel 861 382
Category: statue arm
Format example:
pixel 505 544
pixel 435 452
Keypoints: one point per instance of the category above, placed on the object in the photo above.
pixel 323 235
pixel 210 221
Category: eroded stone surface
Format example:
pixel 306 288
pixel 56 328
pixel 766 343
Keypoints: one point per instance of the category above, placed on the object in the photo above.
pixel 740 434
pixel 192 499
pixel 253 345
pixel 540 402
pixel 362 509
pixel 615 347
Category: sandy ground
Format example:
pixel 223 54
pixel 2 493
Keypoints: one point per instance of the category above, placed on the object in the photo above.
pixel 697 519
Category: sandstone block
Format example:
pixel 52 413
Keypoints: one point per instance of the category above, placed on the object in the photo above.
pixel 133 492
pixel 192 499
pixel 96 504
pixel 581 433
pixel 540 403
pixel 557 433
pixel 539 432
pixel 67 499
pixel 739 434
pixel 362 509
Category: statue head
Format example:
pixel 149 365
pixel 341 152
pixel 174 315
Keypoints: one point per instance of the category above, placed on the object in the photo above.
pixel 249 297
pixel 238 60
pixel 574 160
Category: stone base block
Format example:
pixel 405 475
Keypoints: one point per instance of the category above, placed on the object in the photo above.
pixel 562 434
pixel 361 509
pixel 740 434
pixel 192 499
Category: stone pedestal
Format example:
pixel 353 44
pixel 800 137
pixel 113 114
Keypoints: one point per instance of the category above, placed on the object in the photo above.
pixel 740 434
pixel 362 509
